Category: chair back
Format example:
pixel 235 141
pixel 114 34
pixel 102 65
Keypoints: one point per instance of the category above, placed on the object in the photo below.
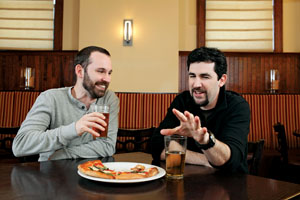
pixel 133 140
pixel 281 139
pixel 7 135
pixel 255 151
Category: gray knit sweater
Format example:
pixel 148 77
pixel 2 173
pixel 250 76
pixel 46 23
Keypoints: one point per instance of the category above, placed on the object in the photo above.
pixel 49 128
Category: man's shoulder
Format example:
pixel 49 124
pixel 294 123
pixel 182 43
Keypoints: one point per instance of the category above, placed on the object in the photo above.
pixel 234 98
pixel 55 92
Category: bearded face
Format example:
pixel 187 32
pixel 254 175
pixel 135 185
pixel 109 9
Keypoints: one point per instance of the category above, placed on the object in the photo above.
pixel 95 89
pixel 199 96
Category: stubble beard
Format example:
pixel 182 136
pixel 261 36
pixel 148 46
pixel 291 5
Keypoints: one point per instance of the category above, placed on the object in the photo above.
pixel 90 87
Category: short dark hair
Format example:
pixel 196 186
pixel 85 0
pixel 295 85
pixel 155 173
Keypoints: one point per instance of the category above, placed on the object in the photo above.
pixel 82 57
pixel 205 54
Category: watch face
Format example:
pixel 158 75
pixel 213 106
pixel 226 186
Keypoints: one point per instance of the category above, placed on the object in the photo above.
pixel 212 137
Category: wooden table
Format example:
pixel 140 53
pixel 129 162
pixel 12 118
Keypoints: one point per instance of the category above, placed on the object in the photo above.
pixel 59 180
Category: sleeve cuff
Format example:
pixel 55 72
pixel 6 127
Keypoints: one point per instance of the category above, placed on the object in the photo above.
pixel 68 133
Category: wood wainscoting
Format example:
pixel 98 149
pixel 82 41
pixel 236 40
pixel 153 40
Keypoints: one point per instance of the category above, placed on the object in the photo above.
pixel 145 110
pixel 53 69
pixel 247 71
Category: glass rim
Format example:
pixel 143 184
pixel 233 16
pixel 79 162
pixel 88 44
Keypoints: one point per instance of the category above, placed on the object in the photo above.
pixel 176 136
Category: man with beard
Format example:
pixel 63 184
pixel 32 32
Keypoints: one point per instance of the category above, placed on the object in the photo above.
pixel 59 124
pixel 215 121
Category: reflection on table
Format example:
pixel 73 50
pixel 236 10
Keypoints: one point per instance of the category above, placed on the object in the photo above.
pixel 59 180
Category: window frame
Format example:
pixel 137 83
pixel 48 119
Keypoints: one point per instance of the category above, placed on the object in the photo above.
pixel 58 25
pixel 278 29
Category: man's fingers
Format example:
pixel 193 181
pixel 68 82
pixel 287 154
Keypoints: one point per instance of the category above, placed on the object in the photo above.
pixel 179 115
pixel 189 116
pixel 91 131
pixel 197 122
pixel 169 131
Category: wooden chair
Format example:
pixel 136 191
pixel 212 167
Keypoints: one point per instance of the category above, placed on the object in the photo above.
pixel 288 167
pixel 7 135
pixel 255 151
pixel 132 140
pixel 283 146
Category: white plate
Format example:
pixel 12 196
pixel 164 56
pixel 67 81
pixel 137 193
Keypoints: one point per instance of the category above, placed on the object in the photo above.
pixel 125 166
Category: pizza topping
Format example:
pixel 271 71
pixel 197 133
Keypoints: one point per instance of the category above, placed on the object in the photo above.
pixel 138 168
pixel 101 167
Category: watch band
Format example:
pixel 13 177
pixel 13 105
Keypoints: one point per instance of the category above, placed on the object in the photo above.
pixel 210 144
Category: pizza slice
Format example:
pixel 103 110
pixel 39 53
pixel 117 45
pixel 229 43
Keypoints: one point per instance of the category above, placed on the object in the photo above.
pixel 96 168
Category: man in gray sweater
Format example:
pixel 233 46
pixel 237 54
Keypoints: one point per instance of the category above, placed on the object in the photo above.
pixel 59 124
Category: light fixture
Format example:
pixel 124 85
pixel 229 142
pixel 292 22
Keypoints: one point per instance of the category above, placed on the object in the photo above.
pixel 27 78
pixel 127 28
pixel 272 80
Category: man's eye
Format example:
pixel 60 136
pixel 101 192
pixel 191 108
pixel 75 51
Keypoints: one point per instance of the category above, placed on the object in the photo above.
pixel 206 77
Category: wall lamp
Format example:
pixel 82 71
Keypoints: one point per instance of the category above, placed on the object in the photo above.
pixel 127 28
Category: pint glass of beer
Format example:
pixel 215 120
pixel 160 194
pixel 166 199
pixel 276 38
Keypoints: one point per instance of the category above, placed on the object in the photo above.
pixel 175 148
pixel 104 109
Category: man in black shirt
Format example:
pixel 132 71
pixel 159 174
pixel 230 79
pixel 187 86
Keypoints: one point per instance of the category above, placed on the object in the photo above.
pixel 215 121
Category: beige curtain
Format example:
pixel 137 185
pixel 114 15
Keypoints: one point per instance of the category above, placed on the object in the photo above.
pixel 26 24
pixel 240 25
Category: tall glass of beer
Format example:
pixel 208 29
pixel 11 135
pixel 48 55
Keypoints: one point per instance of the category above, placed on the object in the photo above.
pixel 175 148
pixel 104 109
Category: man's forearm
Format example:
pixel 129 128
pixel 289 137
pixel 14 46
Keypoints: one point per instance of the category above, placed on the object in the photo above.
pixel 196 158
pixel 219 154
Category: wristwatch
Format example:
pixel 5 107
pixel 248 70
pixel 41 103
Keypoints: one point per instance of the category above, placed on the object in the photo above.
pixel 210 144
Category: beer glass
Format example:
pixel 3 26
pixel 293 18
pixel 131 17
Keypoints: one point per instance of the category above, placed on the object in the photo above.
pixel 175 148
pixel 104 109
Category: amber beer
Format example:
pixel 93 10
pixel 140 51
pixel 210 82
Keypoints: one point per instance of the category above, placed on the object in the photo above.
pixel 104 109
pixel 175 164
pixel 175 148
pixel 103 133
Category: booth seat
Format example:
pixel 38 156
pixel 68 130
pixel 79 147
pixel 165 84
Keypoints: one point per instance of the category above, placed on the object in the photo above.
pixel 145 110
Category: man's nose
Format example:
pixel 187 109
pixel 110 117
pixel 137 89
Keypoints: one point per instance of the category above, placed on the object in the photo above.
pixel 107 77
pixel 198 82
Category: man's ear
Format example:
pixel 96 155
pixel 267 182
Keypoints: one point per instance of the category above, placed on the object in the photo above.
pixel 79 71
pixel 223 80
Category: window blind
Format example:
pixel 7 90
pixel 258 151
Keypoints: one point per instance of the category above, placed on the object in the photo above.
pixel 26 24
pixel 240 25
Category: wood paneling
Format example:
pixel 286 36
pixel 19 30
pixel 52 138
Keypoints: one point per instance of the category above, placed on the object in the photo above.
pixel 52 69
pixel 247 71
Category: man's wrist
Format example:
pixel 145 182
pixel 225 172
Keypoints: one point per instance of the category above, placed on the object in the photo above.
pixel 205 139
pixel 210 142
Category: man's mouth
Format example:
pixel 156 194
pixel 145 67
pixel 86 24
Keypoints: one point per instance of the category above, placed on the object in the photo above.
pixel 198 93
pixel 101 86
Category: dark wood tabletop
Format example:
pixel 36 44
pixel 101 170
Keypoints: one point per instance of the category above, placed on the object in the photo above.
pixel 60 180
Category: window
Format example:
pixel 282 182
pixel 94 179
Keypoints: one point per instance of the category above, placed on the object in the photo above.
pixel 28 24
pixel 240 25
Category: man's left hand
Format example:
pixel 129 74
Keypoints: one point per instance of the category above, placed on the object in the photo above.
pixel 190 126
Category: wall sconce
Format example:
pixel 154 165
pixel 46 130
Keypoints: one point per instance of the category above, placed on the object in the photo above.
pixel 127 29
pixel 27 78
